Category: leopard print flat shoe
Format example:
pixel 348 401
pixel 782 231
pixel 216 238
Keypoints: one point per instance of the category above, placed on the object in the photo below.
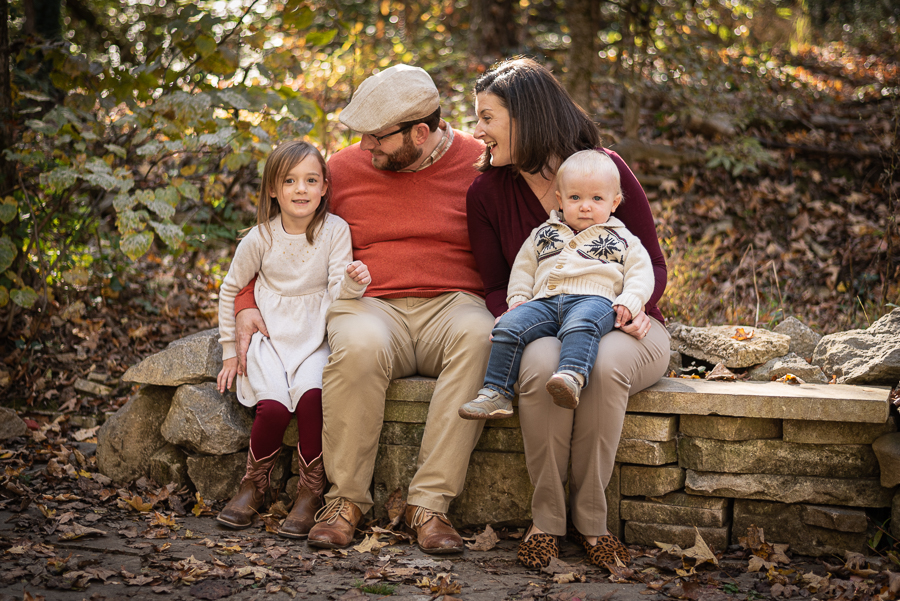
pixel 537 550
pixel 606 550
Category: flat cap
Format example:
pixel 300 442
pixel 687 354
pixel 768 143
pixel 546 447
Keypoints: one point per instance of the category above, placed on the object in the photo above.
pixel 400 93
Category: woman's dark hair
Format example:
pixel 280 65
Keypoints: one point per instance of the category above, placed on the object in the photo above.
pixel 548 124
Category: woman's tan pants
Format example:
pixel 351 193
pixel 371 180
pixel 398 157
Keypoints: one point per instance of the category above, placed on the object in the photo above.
pixel 590 434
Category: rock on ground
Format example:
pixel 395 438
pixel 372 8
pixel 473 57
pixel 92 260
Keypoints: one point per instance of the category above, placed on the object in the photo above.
pixel 128 439
pixel 803 338
pixel 791 363
pixel 716 345
pixel 870 356
pixel 11 425
pixel 191 360
pixel 205 421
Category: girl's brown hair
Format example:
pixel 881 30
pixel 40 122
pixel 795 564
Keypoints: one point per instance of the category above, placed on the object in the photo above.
pixel 277 166
pixel 549 126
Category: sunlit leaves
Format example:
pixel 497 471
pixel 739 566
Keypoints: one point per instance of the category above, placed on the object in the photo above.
pixel 136 245
pixel 170 233
pixel 162 201
pixel 321 38
pixel 59 179
pixel 25 297
pixel 77 276
pixel 7 253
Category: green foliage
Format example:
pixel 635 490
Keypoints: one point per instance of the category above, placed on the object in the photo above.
pixel 744 155
pixel 134 153
pixel 375 589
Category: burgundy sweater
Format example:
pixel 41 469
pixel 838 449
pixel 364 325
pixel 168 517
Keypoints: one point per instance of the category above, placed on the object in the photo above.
pixel 502 211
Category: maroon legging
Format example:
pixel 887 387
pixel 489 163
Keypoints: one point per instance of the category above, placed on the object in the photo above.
pixel 272 419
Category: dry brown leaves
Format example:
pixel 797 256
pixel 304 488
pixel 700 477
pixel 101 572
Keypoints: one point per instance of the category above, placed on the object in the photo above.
pixel 484 541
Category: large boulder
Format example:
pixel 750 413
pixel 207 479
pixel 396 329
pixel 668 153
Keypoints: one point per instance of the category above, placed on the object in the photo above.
pixel 128 439
pixel 169 466
pixel 870 356
pixel 11 425
pixel 204 420
pixel 717 344
pixel 217 477
pixel 191 360
pixel 791 363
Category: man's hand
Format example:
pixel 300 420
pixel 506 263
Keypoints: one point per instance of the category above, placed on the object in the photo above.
pixel 226 376
pixel 623 315
pixel 359 273
pixel 246 324
pixel 638 327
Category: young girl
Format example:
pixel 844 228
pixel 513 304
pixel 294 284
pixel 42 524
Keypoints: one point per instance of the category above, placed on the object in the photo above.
pixel 303 257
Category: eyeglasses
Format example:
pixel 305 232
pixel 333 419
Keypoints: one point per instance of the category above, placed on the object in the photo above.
pixel 378 139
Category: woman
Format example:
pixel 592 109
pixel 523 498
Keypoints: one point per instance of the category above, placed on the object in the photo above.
pixel 530 125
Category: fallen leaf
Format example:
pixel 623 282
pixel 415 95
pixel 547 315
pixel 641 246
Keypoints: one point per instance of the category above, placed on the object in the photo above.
pixel 485 541
pixel 791 379
pixel 136 503
pixel 371 545
pixel 76 531
pixel 720 373
pixel 395 507
pixel 742 334
pixel 758 564
pixel 700 552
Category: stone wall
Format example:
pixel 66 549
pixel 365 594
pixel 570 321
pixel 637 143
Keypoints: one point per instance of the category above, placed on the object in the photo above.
pixel 794 460
pixel 800 461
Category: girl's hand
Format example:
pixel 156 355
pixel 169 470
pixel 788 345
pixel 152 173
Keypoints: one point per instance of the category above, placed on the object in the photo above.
pixel 623 315
pixel 359 273
pixel 638 327
pixel 226 376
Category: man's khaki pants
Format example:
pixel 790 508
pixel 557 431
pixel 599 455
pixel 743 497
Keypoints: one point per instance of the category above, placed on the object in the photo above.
pixel 376 340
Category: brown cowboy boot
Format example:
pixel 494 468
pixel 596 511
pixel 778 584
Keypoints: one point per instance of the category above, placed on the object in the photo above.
pixel 434 532
pixel 241 509
pixel 309 498
pixel 335 525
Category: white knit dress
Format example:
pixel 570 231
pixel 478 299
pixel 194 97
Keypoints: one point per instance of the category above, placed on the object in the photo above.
pixel 296 284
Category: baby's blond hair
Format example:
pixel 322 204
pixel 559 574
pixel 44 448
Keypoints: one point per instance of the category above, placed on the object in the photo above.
pixel 589 162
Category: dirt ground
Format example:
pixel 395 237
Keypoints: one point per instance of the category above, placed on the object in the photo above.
pixel 67 533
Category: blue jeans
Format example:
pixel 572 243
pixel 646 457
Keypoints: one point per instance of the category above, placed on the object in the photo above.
pixel 579 321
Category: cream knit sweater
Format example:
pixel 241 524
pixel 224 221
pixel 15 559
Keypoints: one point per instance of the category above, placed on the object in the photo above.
pixel 603 260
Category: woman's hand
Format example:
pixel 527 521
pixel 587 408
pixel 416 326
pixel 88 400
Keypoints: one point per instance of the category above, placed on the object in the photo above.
pixel 226 376
pixel 246 324
pixel 497 320
pixel 359 273
pixel 639 326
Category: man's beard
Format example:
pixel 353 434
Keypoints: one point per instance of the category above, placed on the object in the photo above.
pixel 401 158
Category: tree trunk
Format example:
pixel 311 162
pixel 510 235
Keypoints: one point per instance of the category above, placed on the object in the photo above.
pixel 7 169
pixel 583 17
pixel 494 32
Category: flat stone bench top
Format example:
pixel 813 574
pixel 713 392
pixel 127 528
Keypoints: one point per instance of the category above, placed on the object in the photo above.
pixel 680 396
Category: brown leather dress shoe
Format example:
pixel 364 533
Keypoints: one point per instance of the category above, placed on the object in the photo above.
pixel 335 525
pixel 434 532
pixel 309 499
pixel 241 509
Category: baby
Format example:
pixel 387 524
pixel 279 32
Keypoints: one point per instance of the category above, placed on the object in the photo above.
pixel 571 279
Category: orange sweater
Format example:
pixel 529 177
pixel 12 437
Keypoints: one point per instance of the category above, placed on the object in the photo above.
pixel 410 229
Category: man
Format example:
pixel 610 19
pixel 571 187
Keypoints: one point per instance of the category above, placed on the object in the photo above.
pixel 402 189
